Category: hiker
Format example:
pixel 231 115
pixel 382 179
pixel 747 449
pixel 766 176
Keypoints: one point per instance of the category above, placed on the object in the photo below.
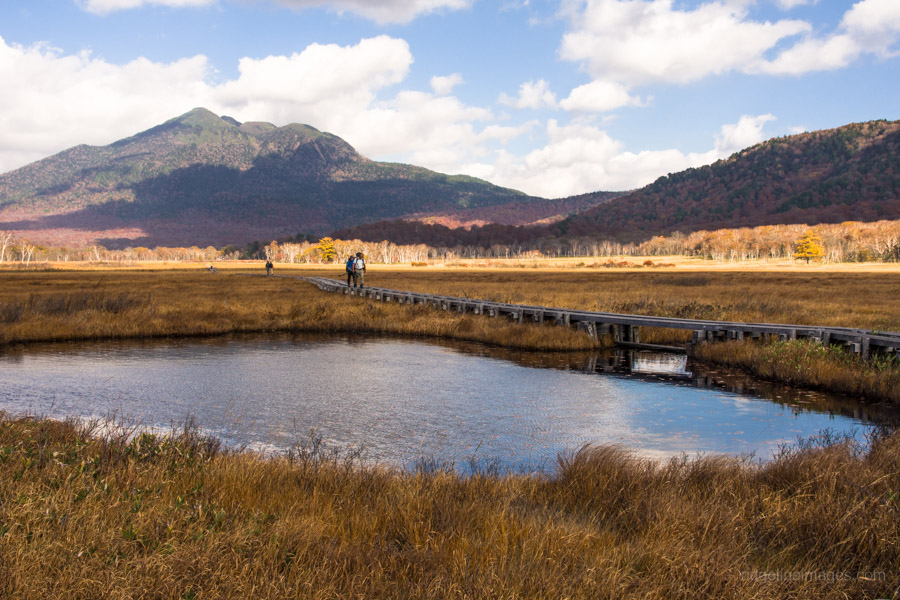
pixel 212 269
pixel 359 270
pixel 350 262
pixel 270 268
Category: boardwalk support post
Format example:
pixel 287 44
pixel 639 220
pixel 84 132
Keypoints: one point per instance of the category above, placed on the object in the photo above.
pixel 588 327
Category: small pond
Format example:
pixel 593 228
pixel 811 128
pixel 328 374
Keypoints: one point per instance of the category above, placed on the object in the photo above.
pixel 401 401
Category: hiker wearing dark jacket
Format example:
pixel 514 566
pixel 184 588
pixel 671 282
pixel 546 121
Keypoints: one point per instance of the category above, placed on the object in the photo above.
pixel 269 267
pixel 350 262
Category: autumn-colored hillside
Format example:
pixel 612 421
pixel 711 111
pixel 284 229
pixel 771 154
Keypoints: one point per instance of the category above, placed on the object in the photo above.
pixel 532 211
pixel 849 173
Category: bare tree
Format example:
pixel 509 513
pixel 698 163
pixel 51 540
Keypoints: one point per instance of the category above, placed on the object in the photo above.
pixel 6 240
pixel 27 250
pixel 291 251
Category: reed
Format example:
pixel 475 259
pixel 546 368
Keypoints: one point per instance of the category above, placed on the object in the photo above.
pixel 127 515
pixel 59 306
pixel 115 304
pixel 805 363
pixel 836 298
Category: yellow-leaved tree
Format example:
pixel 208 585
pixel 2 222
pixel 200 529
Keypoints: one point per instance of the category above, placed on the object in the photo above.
pixel 809 246
pixel 326 249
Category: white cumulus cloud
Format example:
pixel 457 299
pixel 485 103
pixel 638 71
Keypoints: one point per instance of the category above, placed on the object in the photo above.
pixel 428 130
pixel 320 73
pixel 874 25
pixel 746 132
pixel 532 94
pixel 637 42
pixel 581 157
pixel 868 27
pixel 52 101
pixel 599 96
pixel 813 54
pixel 443 85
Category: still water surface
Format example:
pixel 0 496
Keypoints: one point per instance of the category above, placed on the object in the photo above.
pixel 405 400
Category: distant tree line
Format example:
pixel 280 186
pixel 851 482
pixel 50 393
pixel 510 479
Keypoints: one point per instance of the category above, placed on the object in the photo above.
pixel 851 241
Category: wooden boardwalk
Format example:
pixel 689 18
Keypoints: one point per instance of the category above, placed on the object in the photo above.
pixel 624 328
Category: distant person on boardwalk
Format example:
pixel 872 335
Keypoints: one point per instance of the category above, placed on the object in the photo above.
pixel 359 270
pixel 270 268
pixel 350 262
pixel 212 269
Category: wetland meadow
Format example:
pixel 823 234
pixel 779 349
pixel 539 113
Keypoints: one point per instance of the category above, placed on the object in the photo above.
pixel 176 433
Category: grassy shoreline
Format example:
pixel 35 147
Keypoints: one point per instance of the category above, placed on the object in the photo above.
pixel 43 306
pixel 48 307
pixel 807 364
pixel 123 516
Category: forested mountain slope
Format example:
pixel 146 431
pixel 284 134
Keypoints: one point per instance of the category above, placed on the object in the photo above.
pixel 829 176
pixel 203 179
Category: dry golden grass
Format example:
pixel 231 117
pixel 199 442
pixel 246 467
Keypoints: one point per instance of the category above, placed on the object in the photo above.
pixel 71 305
pixel 857 299
pixel 82 517
pixel 113 303
pixel 809 364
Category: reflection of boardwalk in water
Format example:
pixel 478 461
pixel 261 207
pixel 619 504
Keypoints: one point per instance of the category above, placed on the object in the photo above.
pixel 625 329
pixel 679 370
pixel 408 399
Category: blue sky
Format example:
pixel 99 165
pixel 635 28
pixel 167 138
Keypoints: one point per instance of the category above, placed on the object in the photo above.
pixel 550 97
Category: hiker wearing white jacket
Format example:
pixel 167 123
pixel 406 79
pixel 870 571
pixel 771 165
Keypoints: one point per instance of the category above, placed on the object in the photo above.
pixel 359 270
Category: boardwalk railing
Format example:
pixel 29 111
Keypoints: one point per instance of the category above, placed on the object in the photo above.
pixel 626 328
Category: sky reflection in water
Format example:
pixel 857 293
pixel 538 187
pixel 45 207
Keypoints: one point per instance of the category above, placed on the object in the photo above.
pixel 399 400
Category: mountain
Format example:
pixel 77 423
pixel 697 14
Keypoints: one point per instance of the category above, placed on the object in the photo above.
pixel 532 211
pixel 201 179
pixel 829 176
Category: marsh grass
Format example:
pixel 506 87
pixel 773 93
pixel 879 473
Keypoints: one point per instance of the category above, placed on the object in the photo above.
pixel 60 306
pixel 122 516
pixel 805 363
pixel 802 298
pixel 73 305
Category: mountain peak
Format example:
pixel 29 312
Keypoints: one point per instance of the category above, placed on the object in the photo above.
pixel 206 179
pixel 201 117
